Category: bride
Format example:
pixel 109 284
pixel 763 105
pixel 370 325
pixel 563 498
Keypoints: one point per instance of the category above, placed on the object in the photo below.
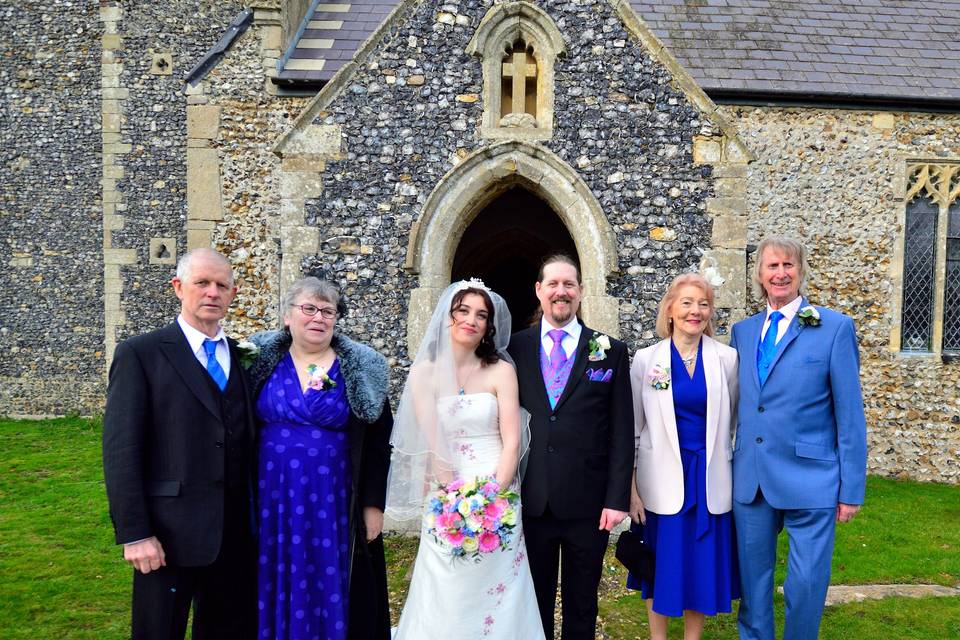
pixel 459 423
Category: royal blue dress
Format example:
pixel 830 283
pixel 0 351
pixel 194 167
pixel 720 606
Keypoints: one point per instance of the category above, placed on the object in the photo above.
pixel 696 565
pixel 304 491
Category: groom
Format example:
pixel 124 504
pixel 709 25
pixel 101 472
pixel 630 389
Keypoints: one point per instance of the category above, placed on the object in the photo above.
pixel 575 383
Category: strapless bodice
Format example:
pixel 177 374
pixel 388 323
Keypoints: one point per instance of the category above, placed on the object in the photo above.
pixel 471 425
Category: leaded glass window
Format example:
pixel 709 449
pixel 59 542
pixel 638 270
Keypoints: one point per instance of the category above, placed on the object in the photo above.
pixel 930 303
pixel 951 282
pixel 919 254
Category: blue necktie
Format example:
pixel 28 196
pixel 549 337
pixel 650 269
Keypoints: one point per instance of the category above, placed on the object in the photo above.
pixel 768 348
pixel 213 367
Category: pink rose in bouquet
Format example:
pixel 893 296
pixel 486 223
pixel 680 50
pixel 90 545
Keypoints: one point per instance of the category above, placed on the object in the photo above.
pixel 471 518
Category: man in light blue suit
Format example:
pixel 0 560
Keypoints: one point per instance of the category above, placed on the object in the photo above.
pixel 800 455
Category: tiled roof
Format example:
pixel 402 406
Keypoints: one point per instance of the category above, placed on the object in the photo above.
pixel 332 36
pixel 861 49
pixel 831 49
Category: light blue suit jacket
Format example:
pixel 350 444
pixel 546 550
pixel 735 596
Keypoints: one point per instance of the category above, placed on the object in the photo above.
pixel 801 438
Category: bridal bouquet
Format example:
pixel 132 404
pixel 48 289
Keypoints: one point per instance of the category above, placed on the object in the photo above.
pixel 472 518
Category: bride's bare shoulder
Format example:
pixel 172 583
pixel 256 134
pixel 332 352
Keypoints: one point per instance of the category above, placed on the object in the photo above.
pixel 503 371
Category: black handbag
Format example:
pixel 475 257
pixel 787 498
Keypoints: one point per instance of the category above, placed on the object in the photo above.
pixel 636 555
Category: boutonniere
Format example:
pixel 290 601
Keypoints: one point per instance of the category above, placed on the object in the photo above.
pixel 659 377
pixel 248 353
pixel 319 380
pixel 809 316
pixel 598 346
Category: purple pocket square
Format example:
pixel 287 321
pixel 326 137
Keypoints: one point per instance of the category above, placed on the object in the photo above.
pixel 600 375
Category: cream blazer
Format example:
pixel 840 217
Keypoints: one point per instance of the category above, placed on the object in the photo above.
pixel 657 456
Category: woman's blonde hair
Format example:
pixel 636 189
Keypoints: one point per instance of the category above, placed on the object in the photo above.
pixel 664 324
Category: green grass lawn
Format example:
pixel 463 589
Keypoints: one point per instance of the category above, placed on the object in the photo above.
pixel 61 576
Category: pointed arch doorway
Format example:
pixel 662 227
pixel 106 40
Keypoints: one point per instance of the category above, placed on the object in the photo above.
pixel 466 192
pixel 505 244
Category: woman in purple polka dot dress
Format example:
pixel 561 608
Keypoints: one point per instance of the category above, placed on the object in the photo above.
pixel 324 452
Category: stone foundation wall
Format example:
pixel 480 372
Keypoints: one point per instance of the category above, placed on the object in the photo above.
pixel 835 179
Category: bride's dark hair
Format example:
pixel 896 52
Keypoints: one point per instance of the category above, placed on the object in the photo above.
pixel 486 350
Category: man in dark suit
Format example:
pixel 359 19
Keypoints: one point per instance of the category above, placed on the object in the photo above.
pixel 177 447
pixel 575 382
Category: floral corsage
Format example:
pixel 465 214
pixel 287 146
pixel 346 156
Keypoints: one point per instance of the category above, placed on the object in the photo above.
pixel 659 377
pixel 319 380
pixel 598 346
pixel 809 316
pixel 472 518
pixel 248 353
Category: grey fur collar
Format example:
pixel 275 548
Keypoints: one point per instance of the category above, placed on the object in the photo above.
pixel 364 370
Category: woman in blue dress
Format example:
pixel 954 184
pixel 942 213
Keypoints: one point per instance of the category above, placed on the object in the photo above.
pixel 325 423
pixel 685 395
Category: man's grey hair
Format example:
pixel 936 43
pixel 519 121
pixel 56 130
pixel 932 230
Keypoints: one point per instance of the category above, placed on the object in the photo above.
pixel 313 288
pixel 789 246
pixel 185 263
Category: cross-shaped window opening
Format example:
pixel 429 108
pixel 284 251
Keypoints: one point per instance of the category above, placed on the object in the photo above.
pixel 518 93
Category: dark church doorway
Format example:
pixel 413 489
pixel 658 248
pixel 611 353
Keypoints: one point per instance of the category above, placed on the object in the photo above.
pixel 505 244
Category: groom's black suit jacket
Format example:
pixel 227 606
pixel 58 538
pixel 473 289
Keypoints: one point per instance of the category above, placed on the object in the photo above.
pixel 581 452
pixel 175 448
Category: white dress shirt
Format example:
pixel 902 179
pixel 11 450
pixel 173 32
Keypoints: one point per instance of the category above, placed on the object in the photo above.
pixel 196 337
pixel 788 310
pixel 569 342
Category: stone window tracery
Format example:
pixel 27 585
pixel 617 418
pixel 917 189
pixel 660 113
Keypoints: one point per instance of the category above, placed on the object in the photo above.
pixel 930 305
pixel 517 44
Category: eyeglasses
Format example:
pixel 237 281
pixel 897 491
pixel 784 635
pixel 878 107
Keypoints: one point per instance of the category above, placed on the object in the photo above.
pixel 312 310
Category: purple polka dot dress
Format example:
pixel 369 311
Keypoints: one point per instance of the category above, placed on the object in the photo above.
pixel 304 494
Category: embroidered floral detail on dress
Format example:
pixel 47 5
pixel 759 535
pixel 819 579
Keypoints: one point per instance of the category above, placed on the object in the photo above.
pixel 458 404
pixel 487 624
pixel 466 450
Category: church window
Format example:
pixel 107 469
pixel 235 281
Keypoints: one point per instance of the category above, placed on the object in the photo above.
pixel 518 87
pixel 930 305
pixel 518 45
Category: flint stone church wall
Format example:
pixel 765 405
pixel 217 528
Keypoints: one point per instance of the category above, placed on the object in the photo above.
pixel 836 179
pixel 619 122
pixel 832 177
pixel 51 325
pixel 153 188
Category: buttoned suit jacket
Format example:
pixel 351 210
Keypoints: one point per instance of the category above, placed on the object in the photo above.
pixel 581 452
pixel 801 436
pixel 658 464
pixel 164 453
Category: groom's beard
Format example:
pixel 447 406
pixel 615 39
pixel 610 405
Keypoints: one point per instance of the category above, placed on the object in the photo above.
pixel 561 314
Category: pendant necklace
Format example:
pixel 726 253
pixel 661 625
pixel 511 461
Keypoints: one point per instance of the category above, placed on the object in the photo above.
pixel 688 361
pixel 466 380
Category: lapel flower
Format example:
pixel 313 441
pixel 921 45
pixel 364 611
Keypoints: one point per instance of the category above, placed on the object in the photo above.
pixel 319 380
pixel 248 353
pixel 659 377
pixel 809 316
pixel 598 346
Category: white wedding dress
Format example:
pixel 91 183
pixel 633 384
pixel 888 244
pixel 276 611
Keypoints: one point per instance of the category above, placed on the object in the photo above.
pixel 460 598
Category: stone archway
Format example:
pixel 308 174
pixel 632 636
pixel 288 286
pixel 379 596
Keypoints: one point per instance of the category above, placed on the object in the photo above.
pixel 505 244
pixel 470 186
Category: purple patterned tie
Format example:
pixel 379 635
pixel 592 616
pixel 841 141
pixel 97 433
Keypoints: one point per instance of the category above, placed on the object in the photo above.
pixel 552 377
